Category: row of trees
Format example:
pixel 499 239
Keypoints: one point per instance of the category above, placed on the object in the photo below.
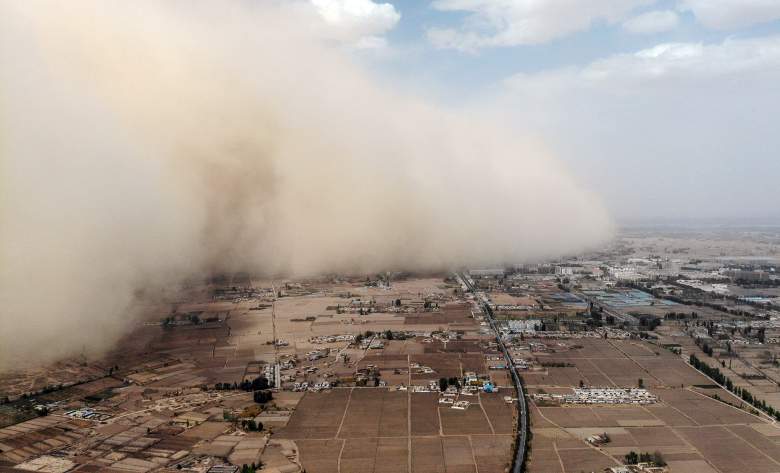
pixel 261 397
pixel 261 382
pixel 632 458
pixel 252 426
pixel 445 382
pixel 387 334
pixel 744 394
pixel 681 315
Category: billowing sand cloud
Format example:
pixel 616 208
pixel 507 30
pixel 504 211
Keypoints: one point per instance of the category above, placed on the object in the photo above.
pixel 144 142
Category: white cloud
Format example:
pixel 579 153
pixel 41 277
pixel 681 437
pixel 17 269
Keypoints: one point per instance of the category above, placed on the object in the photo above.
pixel 732 14
pixel 652 22
pixel 667 61
pixel 361 21
pixel 515 22
pixel 677 130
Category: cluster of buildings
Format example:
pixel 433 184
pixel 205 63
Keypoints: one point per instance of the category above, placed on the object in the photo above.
pixel 638 468
pixel 600 396
pixel 421 368
pixel 313 387
pixel 318 340
pixel 451 400
pixel 88 414
pixel 715 288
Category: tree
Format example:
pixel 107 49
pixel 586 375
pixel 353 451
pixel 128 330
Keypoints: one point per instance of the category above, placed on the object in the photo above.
pixel 442 384
pixel 259 383
pixel 640 383
pixel 252 426
pixel 261 397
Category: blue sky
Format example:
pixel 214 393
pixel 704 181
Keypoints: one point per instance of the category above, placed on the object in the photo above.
pixel 667 109
pixel 415 52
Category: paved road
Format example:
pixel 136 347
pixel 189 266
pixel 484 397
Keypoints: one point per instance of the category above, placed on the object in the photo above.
pixel 518 464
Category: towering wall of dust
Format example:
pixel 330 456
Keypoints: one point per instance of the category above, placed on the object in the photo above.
pixel 141 142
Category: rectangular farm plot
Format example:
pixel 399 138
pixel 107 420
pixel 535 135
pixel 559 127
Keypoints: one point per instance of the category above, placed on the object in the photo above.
pixel 622 371
pixel 321 456
pixel 444 365
pixel 317 416
pixel 592 375
pixel 554 376
pixel 648 437
pixel 493 453
pixel 464 422
pixel 424 413
pixel 634 348
pixel 570 416
pixel 471 362
pixel 672 372
pixel 759 441
pixel 457 455
pixel 591 349
pixel 499 412
pixel 392 456
pixel 427 455
pixel 375 413
pixel 670 416
pixel 728 452
pixel 624 416
pixel 544 460
pixel 703 410
pixel 358 455
pixel 584 459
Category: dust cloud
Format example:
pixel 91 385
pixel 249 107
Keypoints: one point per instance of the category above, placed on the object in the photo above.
pixel 145 142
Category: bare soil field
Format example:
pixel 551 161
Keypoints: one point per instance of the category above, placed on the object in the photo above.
pixel 458 457
pixel 424 415
pixel 671 372
pixel 444 365
pixel 622 372
pixel 500 414
pixel 427 455
pixel 492 453
pixel 375 413
pixel 379 425
pixel 318 415
pixel 544 460
pixel 564 376
pixel 703 410
pixel 580 416
pixel 584 459
pixel 373 454
pixel 727 451
pixel 320 455
pixel 336 430
pixel 693 431
pixel 469 421
pixel 654 436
